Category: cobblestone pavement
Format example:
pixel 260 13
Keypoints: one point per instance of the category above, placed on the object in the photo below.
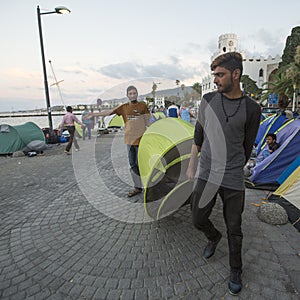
pixel 60 238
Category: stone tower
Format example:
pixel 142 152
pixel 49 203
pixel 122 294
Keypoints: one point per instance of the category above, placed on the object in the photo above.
pixel 227 43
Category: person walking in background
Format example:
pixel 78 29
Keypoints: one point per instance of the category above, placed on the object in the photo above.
pixel 173 111
pixel 68 121
pixel 92 118
pixel 225 131
pixel 136 117
pixel 86 120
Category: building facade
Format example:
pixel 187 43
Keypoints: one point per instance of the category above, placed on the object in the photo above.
pixel 259 69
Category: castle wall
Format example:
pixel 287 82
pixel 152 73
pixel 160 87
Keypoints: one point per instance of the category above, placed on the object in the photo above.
pixel 258 69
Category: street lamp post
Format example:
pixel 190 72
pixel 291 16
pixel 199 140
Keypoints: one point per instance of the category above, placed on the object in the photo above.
pixel 58 10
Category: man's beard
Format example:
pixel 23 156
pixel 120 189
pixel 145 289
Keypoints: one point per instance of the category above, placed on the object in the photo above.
pixel 227 88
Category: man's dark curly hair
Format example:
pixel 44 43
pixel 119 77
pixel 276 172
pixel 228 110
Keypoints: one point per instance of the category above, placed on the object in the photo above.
pixel 272 135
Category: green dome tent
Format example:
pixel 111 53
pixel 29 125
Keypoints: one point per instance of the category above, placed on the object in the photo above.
pixel 16 138
pixel 164 153
pixel 159 115
pixel 113 121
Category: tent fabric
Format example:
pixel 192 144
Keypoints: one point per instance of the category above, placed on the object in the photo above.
pixel 30 132
pixel 113 121
pixel 292 211
pixel 261 186
pixel 287 195
pixel 270 169
pixel 16 138
pixel 289 170
pixel 35 145
pixel 284 124
pixel 78 129
pixel 10 140
pixel 159 115
pixel 290 189
pixel 163 156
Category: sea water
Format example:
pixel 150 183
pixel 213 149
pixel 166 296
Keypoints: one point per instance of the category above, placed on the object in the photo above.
pixel 41 121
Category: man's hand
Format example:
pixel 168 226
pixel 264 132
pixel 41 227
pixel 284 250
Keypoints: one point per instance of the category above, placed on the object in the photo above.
pixel 192 167
pixel 190 172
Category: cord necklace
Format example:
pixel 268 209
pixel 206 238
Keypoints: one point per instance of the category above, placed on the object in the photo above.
pixel 237 109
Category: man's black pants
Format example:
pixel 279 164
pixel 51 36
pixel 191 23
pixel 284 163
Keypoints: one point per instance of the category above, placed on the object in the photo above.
pixel 203 201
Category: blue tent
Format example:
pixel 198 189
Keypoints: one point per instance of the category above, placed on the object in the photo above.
pixel 271 168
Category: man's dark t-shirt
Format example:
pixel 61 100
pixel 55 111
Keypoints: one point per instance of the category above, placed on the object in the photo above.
pixel 226 134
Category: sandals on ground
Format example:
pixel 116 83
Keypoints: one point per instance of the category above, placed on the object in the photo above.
pixel 134 192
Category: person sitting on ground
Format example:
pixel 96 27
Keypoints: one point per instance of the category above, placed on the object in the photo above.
pixel 272 144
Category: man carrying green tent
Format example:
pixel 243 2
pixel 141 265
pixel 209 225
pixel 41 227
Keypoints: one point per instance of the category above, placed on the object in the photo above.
pixel 136 117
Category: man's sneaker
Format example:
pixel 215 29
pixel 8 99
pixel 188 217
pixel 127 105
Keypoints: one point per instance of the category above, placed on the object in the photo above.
pixel 67 152
pixel 76 150
pixel 235 281
pixel 211 246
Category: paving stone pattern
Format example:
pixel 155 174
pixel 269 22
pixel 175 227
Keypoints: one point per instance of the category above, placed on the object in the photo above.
pixel 54 244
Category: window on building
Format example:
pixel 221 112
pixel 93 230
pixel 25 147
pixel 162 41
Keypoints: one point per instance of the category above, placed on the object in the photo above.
pixel 261 73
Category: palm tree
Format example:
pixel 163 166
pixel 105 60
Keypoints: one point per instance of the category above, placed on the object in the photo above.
pixel 250 86
pixel 182 89
pixel 279 84
pixel 293 73
pixel 197 88
pixel 154 88
pixel 177 82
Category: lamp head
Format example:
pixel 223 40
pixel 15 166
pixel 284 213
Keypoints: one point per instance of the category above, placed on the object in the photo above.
pixel 62 10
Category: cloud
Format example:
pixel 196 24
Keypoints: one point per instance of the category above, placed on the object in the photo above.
pixel 263 42
pixel 171 69
pixel 195 47
pixel 121 70
pixel 74 71
pixel 212 46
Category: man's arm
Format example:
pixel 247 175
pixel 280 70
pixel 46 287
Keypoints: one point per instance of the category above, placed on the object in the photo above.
pixel 77 120
pixel 196 148
pixel 192 167
pixel 104 113
pixel 251 129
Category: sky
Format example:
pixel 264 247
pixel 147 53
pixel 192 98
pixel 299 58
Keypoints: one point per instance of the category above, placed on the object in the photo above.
pixel 101 47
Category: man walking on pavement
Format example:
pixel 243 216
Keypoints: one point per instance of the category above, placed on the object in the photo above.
pixel 68 121
pixel 225 131
pixel 136 117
